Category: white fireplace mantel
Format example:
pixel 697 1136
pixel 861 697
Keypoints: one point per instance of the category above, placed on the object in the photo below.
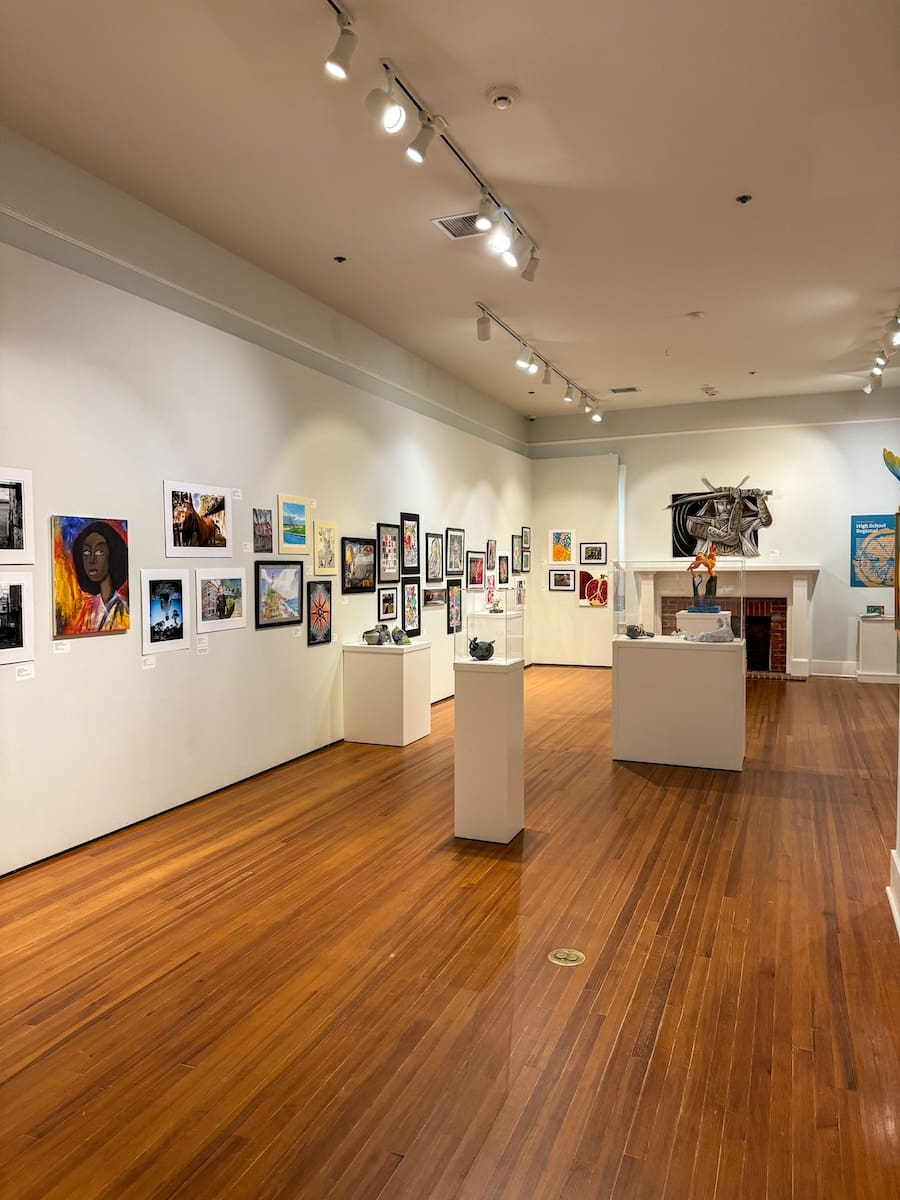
pixel 796 582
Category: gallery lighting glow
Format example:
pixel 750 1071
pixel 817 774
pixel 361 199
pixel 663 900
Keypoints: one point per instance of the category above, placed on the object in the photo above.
pixel 518 251
pixel 385 108
pixel 532 367
pixel 522 358
pixel 337 64
pixel 597 417
pixel 501 235
pixel 881 359
pixel 570 394
pixel 487 210
pixel 418 147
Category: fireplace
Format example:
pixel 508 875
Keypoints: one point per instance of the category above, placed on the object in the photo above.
pixel 765 629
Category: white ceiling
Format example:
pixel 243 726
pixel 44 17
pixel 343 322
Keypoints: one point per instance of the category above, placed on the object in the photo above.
pixel 638 124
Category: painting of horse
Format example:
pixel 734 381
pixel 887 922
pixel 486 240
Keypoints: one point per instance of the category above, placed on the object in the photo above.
pixel 198 520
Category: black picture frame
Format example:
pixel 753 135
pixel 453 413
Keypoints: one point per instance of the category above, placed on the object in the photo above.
pixel 388 604
pixel 526 537
pixel 592 554
pixel 526 562
pixel 411 622
pixel 410 557
pixel 454 551
pixel 490 555
pixel 277 614
pixel 561 579
pixel 515 558
pixel 319 612
pixel 388 536
pixel 503 570
pixel 357 565
pixel 475 572
pixel 454 605
pixel 434 557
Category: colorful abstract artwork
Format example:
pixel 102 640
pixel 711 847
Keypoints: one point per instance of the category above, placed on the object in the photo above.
pixel 90 576
pixel 318 607
pixel 409 532
pixel 220 599
pixel 16 517
pixel 197 520
pixel 279 594
pixel 357 565
pixel 454 605
pixel 561 546
pixel 593 589
pixel 16 618
pixel 293 524
pixel 165 611
pixel 412 607
pixel 434 557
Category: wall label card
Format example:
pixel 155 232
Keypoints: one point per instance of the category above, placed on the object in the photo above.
pixel 24 671
pixel 62 647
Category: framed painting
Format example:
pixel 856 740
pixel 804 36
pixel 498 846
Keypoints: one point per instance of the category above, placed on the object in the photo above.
pixel 357 565
pixel 318 608
pixel 434 597
pixel 526 537
pixel 526 561
pixel 560 548
pixel 294 534
pixel 409 534
pixel 16 618
pixel 592 554
pixel 412 606
pixel 387 604
pixel 502 570
pixel 325 548
pixel 388 553
pixel 434 557
pixel 516 564
pixel 475 570
pixel 198 520
pixel 90 576
pixel 521 594
pixel 454 605
pixel 593 589
pixel 562 579
pixel 221 602
pixel 279 594
pixel 262 531
pixel 455 544
pixel 16 517
pixel 490 555
pixel 165 610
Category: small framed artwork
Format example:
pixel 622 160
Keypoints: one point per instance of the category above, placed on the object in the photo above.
pixel 325 548
pixel 593 589
pixel 516 554
pixel 412 607
pixel 434 597
pixel 455 543
pixel 16 618
pixel 454 605
pixel 434 557
pixel 220 599
pixel 592 554
pixel 279 594
pixel 562 579
pixel 318 609
pixel 90 576
pixel 294 534
pixel 388 553
pixel 387 604
pixel 165 611
pixel 521 593
pixel 475 570
pixel 874 610
pixel 560 547
pixel 357 565
pixel 16 517
pixel 409 533
pixel 198 520
pixel 526 537
pixel 526 561
pixel 262 531
pixel 490 555
pixel 503 570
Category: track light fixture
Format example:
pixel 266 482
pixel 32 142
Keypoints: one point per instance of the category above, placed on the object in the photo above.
pixel 881 359
pixel 531 267
pixel 385 107
pixel 532 367
pixel 548 375
pixel 487 211
pixel 418 147
pixel 483 328
pixel 869 388
pixel 337 64
pixel 877 370
pixel 501 235
pixel 517 253
pixel 522 358
pixel 597 416
pixel 570 394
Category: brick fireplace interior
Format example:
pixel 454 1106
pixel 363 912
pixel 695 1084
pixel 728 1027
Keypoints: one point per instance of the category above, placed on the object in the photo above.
pixel 765 628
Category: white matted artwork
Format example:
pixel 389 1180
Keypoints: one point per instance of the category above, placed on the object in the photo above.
pixel 326 548
pixel 16 517
pixel 221 599
pixel 197 520
pixel 16 617
pixel 561 546
pixel 165 610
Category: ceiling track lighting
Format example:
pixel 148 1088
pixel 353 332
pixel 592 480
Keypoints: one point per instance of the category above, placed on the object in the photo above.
pixel 483 328
pixel 384 105
pixel 428 127
pixel 531 267
pixel 337 64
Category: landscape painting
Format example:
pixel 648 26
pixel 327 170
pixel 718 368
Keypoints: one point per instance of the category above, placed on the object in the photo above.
pixel 293 525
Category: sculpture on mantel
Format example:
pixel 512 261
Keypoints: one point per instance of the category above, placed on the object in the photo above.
pixel 730 517
pixel 706 602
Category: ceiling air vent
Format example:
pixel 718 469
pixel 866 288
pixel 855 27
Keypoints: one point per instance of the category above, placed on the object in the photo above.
pixel 461 226
pixel 623 391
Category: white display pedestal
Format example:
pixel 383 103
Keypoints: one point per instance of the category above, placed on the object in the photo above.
pixel 489 760
pixel 387 693
pixel 876 651
pixel 694 623
pixel 678 702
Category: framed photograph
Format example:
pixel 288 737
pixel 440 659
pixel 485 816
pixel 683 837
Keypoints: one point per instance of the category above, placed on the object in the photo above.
pixel 279 594
pixel 90 576
pixel 220 599
pixel 434 557
pixel 16 618
pixel 388 553
pixel 387 604
pixel 412 606
pixel 562 579
pixel 593 589
pixel 434 597
pixel 516 564
pixel 318 608
pixel 592 554
pixel 455 542
pixel 262 531
pixel 521 595
pixel 526 561
pixel 502 570
pixel 325 548
pixel 526 537
pixel 872 610
pixel 490 555
pixel 475 570
pixel 294 533
pixel 198 520
pixel 561 546
pixel 357 565
pixel 409 534
pixel 454 605
pixel 16 517
pixel 165 610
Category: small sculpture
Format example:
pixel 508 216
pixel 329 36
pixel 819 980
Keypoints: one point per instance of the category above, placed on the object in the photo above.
pixel 496 606
pixel 721 633
pixel 399 636
pixel 378 635
pixel 704 603
pixel 481 650
pixel 636 631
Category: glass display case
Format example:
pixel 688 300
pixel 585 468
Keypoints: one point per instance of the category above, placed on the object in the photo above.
pixel 700 599
pixel 500 624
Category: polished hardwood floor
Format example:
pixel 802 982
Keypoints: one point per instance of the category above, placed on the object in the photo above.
pixel 304 987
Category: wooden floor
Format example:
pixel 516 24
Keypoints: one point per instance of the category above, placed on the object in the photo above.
pixel 303 987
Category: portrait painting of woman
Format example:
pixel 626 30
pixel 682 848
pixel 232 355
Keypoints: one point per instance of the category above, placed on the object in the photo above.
pixel 90 576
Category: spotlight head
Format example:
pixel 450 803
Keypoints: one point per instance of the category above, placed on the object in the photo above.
pixel 418 147
pixel 517 252
pixel 869 388
pixel 881 359
pixel 483 325
pixel 487 210
pixel 597 416
pixel 548 374
pixel 522 358
pixel 877 370
pixel 531 267
pixel 570 394
pixel 500 238
pixel 895 338
pixel 532 367
pixel 383 106
pixel 337 64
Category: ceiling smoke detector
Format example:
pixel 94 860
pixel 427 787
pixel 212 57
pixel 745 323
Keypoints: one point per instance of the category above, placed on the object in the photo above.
pixel 503 96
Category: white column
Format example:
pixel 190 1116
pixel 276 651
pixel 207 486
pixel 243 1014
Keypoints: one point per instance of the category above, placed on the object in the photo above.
pixel 798 649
